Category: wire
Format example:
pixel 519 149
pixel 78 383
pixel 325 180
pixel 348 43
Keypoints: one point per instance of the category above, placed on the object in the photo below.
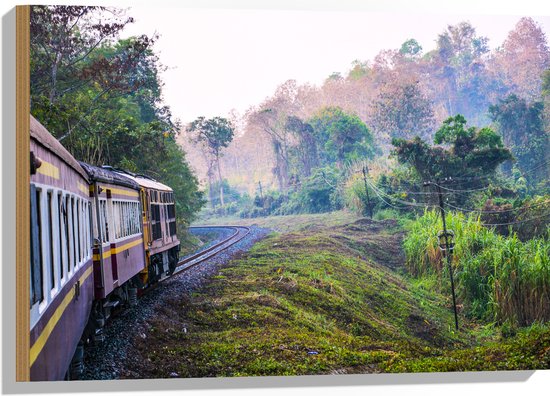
pixel 462 191
pixel 516 222
pixel 380 192
pixel 497 211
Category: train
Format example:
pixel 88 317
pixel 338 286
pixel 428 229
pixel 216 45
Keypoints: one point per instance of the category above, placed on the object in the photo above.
pixel 99 236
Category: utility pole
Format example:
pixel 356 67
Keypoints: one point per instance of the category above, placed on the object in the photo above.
pixel 261 193
pixel 365 171
pixel 448 251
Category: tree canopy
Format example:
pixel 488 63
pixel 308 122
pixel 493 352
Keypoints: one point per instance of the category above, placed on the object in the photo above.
pixel 101 96
pixel 467 152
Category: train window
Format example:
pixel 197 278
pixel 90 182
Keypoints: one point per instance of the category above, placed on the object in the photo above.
pixel 89 231
pixel 76 207
pixel 171 211
pixel 116 219
pixel 66 219
pixel 74 222
pixel 101 225
pixel 50 217
pixel 82 230
pixel 104 225
pixel 126 219
pixel 86 215
pixel 172 226
pixel 36 274
pixel 155 222
pixel 60 233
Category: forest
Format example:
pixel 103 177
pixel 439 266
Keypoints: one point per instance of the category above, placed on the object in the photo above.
pixel 304 148
pixel 101 97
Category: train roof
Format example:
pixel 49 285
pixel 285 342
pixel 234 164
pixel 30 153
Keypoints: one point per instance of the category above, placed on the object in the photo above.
pixel 142 180
pixel 108 176
pixel 39 133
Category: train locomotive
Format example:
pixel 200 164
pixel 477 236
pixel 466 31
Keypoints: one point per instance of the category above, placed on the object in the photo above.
pixel 99 236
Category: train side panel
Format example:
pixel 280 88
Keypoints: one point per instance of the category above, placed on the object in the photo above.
pixel 61 280
pixel 119 250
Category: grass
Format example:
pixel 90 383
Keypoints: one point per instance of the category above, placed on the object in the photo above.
pixel 325 299
pixel 499 278
pixel 287 223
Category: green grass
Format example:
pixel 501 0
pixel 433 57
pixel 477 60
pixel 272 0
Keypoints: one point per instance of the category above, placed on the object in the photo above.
pixel 321 300
pixel 286 223
pixel 498 278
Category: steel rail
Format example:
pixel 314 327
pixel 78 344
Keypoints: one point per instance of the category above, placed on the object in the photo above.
pixel 197 258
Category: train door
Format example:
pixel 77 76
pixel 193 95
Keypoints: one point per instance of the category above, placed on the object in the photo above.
pixel 167 238
pixel 111 235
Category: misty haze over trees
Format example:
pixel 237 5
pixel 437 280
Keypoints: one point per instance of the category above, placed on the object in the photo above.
pixel 311 135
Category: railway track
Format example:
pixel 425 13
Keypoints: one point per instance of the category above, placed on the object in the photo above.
pixel 239 232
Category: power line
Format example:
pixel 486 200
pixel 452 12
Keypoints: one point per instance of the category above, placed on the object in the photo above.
pixel 406 203
pixel 497 211
pixel 516 222
pixel 462 191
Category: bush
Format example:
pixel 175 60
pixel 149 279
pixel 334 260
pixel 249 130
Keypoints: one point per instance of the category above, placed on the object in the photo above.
pixel 497 277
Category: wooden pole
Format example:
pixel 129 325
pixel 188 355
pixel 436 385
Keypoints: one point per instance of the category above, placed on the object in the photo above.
pixel 365 171
pixel 447 251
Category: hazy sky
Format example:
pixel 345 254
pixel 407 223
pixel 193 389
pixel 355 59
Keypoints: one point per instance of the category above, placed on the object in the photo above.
pixel 223 59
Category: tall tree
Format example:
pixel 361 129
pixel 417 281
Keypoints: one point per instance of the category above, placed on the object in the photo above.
pixel 341 136
pixel 101 96
pixel 471 151
pixel 270 118
pixel 458 66
pixel 403 110
pixel 522 59
pixel 305 150
pixel 521 125
pixel 214 134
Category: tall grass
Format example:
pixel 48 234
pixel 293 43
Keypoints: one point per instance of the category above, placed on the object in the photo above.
pixel 497 277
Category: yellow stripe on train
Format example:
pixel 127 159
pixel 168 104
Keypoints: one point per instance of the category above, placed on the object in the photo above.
pixel 48 169
pixel 119 249
pixel 50 326
pixel 120 191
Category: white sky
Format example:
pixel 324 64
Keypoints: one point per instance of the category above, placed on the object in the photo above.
pixel 223 59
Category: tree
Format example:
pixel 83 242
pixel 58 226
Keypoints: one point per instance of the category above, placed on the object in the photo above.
pixel 270 118
pixel 304 153
pixel 411 49
pixel 62 40
pixel 470 152
pixel 521 125
pixel 522 59
pixel 102 97
pixel 457 70
pixel 341 137
pixel 214 134
pixel 403 111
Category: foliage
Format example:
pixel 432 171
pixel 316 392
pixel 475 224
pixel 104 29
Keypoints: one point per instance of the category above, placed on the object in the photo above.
pixel 342 137
pixel 403 111
pixel 497 277
pixel 319 192
pixel 101 97
pixel 472 151
pixel 213 135
pixel 522 128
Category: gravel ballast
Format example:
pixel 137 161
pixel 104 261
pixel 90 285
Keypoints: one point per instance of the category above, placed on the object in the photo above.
pixel 108 360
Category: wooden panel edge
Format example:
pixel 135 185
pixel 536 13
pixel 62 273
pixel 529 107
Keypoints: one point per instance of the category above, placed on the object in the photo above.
pixel 22 15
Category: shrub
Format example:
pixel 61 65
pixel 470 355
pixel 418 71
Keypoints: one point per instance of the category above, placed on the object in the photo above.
pixel 498 277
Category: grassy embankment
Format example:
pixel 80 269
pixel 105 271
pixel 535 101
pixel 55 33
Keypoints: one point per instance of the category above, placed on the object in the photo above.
pixel 325 296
